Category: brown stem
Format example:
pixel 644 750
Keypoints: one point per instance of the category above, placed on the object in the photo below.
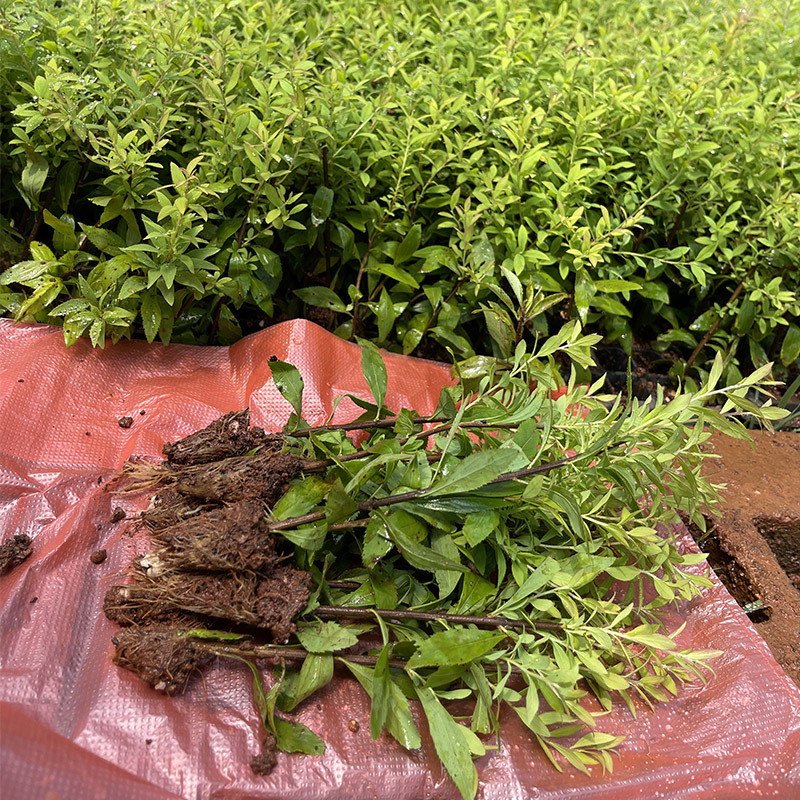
pixel 328 219
pixel 343 612
pixel 674 232
pixel 404 497
pixel 710 332
pixel 435 315
pixel 364 425
pixel 269 651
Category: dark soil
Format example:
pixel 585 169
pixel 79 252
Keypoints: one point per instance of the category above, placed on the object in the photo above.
pixel 755 545
pixel 169 507
pixel 125 422
pixel 118 515
pixel 158 656
pixel 214 561
pixel 269 603
pixel 14 551
pixel 195 543
pixel 230 435
pixel 263 476
pixel 98 557
pixel 265 761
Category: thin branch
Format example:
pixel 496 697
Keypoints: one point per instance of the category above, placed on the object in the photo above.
pixel 416 494
pixel 269 651
pixel 712 330
pixel 343 612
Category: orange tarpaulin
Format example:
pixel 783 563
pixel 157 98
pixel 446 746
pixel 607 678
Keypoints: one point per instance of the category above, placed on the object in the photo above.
pixel 75 726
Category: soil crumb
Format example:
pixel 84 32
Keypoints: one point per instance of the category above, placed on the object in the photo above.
pixel 125 422
pixel 265 761
pixel 158 656
pixel 14 551
pixel 98 557
pixel 118 515
pixel 230 435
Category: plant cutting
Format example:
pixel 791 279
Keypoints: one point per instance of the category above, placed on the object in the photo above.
pixel 512 548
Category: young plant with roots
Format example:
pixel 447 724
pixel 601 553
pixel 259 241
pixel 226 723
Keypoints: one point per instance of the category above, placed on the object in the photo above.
pixel 514 547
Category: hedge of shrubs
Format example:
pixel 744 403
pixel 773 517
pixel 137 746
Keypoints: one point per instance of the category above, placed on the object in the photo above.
pixel 461 173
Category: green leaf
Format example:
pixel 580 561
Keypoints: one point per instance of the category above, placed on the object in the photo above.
pixel 616 285
pixel 446 579
pixel 374 369
pixel 450 745
pixel 316 672
pixel 301 498
pixel 34 175
pixel 376 542
pixel 308 537
pixel 386 315
pixel 479 525
pixel 456 646
pixel 408 246
pixel 24 271
pixel 289 383
pixel 321 296
pixel 217 636
pixel 151 315
pixel 399 722
pixel 325 637
pixel 294 737
pixel 338 504
pixel 478 469
pixel 418 555
pixel 66 181
pixel 381 693
pixel 790 349
pixel 321 205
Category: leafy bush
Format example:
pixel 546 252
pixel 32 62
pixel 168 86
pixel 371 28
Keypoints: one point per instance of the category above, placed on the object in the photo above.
pixel 457 173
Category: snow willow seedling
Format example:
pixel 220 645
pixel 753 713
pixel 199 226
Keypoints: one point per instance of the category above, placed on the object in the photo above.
pixel 509 548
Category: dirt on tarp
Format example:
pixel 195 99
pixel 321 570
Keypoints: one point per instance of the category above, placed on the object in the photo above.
pixel 14 551
pixel 754 547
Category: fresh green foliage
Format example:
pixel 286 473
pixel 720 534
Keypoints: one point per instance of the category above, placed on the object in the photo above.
pixel 454 173
pixel 540 518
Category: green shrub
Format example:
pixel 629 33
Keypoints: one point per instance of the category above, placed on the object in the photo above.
pixel 457 172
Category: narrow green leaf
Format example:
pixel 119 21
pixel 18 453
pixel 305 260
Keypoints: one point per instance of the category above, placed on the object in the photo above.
pixel 34 175
pixel 408 246
pixel 325 637
pixel 381 693
pixel 316 672
pixel 456 646
pixel 374 369
pixel 416 554
pixel 478 469
pixel 321 205
pixel 321 296
pixel 289 383
pixel 450 746
pixel 399 722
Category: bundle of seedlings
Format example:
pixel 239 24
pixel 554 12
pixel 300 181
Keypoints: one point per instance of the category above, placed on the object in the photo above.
pixel 514 547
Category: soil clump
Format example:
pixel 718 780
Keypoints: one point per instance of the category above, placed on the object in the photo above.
pixel 214 562
pixel 14 551
pixel 230 435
